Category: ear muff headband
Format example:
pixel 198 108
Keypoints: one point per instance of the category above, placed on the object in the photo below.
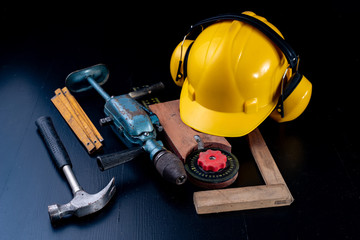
pixel 186 59
pixel 268 31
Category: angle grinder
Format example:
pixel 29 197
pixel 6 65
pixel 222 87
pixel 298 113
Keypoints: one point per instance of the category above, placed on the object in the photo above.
pixel 211 168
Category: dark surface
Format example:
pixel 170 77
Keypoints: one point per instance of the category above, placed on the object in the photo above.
pixel 317 154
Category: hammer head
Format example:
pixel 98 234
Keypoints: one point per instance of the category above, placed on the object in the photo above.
pixel 83 203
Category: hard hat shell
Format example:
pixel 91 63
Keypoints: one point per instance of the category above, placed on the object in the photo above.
pixel 234 75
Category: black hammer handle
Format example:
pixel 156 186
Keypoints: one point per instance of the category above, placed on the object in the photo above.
pixel 53 142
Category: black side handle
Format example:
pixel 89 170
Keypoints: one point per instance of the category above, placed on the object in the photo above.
pixel 53 142
pixel 111 160
pixel 147 90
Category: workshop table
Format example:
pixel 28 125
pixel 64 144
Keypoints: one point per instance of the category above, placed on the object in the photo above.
pixel 318 154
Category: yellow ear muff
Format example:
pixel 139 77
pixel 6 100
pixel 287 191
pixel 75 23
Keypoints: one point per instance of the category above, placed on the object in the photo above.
pixel 296 102
pixel 177 62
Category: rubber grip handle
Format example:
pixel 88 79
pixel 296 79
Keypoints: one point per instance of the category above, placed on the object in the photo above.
pixel 111 160
pixel 146 90
pixel 53 142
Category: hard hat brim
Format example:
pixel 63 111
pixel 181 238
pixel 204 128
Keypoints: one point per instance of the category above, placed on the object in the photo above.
pixel 217 123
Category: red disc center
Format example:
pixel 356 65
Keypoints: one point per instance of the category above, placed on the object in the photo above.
pixel 212 160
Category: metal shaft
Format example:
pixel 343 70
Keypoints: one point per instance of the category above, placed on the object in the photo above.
pixel 99 89
pixel 199 142
pixel 75 186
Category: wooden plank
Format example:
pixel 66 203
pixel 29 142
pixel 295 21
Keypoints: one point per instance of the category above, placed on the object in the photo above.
pixel 180 136
pixel 264 160
pixel 235 199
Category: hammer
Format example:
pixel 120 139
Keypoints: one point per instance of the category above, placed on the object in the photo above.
pixel 83 203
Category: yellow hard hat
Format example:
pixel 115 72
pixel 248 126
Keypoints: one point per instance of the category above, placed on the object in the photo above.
pixel 235 73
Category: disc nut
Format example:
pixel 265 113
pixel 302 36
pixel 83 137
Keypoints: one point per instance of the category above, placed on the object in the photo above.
pixel 212 160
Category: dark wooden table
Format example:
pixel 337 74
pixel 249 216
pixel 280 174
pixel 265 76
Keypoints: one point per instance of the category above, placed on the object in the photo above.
pixel 318 154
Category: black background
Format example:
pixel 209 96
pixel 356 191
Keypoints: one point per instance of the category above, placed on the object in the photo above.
pixel 40 44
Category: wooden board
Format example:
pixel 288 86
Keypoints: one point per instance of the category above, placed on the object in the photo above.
pixel 274 193
pixel 181 137
pixel 233 199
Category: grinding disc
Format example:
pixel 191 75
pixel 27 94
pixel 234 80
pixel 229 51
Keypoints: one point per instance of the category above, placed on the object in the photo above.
pixel 217 168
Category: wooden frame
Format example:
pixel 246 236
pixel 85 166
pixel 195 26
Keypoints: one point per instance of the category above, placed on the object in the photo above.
pixel 274 193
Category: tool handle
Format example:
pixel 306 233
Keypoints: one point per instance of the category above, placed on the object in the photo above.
pixel 53 142
pixel 111 160
pixel 146 90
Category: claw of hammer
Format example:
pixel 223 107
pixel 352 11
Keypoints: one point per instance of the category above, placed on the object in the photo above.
pixel 83 203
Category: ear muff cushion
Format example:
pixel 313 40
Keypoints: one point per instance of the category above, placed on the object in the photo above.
pixel 175 62
pixel 298 97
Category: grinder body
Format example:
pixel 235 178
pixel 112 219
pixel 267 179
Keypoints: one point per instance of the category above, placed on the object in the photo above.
pixel 132 124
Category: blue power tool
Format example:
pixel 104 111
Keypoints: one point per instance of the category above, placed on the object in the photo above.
pixel 132 122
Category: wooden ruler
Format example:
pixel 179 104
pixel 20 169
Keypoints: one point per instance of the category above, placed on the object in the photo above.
pixel 77 119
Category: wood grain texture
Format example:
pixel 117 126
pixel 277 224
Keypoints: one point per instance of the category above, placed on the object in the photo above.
pixel 263 158
pixel 180 136
pixel 82 115
pixel 76 118
pixel 234 199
